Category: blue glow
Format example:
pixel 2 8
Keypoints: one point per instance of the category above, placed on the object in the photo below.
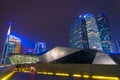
pixel 13 36
pixel 84 16
pixel 87 15
pixel 26 42
pixel 10 23
pixel 116 52
pixel 80 16
pixel 29 50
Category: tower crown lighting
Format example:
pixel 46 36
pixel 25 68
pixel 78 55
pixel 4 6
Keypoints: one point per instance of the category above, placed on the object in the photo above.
pixel 9 29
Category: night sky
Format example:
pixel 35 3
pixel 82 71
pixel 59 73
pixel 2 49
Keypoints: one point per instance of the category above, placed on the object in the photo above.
pixel 50 20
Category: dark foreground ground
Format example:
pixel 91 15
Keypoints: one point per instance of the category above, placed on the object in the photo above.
pixel 34 76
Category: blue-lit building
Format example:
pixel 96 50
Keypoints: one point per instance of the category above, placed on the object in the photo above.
pixel 76 34
pixel 11 45
pixel 104 30
pixel 119 45
pixel 84 33
pixel 40 47
pixel 115 45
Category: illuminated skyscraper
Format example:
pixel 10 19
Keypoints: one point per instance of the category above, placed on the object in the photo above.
pixel 115 45
pixel 119 45
pixel 104 30
pixel 11 45
pixel 14 44
pixel 40 47
pixel 78 34
pixel 84 33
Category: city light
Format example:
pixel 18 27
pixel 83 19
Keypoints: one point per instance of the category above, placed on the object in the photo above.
pixel 77 75
pixel 105 77
pixel 61 74
pixel 8 76
pixel 86 76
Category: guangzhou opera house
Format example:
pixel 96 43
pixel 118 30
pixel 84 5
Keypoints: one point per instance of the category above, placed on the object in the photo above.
pixel 64 55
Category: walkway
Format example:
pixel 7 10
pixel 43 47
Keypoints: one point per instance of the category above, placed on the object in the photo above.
pixel 34 76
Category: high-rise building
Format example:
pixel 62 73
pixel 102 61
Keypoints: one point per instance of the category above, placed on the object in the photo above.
pixel 115 45
pixel 11 45
pixel 104 30
pixel 40 47
pixel 84 33
pixel 14 44
pixel 119 45
pixel 76 34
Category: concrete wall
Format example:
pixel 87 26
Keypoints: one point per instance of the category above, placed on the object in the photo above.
pixel 6 70
pixel 89 69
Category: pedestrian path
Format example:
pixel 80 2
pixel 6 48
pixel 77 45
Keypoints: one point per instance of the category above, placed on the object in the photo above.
pixel 34 76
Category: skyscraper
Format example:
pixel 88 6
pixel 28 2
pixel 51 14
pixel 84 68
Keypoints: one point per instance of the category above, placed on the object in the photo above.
pixel 11 45
pixel 104 30
pixel 14 44
pixel 40 47
pixel 76 34
pixel 119 45
pixel 115 45
pixel 84 33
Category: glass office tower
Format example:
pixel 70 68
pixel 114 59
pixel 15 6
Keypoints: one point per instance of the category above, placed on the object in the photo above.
pixel 119 45
pixel 84 33
pixel 40 47
pixel 11 45
pixel 104 30
pixel 76 40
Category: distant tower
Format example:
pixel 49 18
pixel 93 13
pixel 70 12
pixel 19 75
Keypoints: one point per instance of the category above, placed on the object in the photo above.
pixel 11 45
pixel 40 47
pixel 76 33
pixel 14 44
pixel 104 30
pixel 119 45
pixel 115 45
pixel 84 33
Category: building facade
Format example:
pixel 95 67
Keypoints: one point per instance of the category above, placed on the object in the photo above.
pixel 104 30
pixel 40 47
pixel 23 58
pixel 14 44
pixel 119 45
pixel 84 33
pixel 76 38
pixel 115 45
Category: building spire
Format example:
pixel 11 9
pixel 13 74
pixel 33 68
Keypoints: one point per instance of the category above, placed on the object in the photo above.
pixel 9 29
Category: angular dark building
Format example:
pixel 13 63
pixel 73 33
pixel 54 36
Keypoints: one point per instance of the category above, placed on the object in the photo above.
pixel 84 33
pixel 104 30
pixel 75 55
